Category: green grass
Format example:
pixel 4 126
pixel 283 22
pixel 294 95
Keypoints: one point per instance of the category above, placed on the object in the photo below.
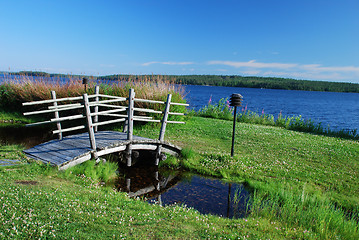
pixel 270 154
pixel 305 187
pixel 38 202
pixel 300 179
pixel 12 117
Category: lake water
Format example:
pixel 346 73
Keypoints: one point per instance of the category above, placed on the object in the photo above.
pixel 338 110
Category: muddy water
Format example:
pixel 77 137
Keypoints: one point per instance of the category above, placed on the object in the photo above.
pixel 166 187
pixel 26 136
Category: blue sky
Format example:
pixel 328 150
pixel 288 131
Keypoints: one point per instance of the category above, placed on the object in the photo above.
pixel 301 39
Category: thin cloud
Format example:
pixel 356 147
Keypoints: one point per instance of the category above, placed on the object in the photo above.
pixel 307 67
pixel 167 63
pixel 320 68
pixel 306 75
pixel 252 72
pixel 253 64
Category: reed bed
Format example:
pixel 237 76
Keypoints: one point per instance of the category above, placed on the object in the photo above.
pixel 305 209
pixel 15 91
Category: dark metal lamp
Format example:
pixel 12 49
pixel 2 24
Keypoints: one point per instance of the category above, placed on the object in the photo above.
pixel 235 101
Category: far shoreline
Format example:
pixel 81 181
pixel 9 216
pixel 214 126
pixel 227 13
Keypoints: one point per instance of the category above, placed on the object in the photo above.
pixel 214 80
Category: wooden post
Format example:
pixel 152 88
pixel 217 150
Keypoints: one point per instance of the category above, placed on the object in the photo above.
pixel 163 129
pixel 158 186
pixel 128 184
pixel 130 112
pixel 89 124
pixel 234 130
pixel 53 95
pixel 131 99
pixel 95 119
pixel 128 155
pixel 125 125
pixel 165 117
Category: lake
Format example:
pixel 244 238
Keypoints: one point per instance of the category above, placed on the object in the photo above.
pixel 338 110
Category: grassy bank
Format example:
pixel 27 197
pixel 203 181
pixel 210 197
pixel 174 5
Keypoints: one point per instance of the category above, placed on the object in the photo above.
pixel 302 179
pixel 305 186
pixel 222 110
pixel 38 203
pixel 267 154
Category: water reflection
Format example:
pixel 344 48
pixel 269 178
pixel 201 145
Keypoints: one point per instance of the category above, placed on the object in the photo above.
pixel 26 136
pixel 166 187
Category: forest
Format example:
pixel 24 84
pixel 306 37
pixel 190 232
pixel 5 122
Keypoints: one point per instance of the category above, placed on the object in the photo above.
pixel 252 82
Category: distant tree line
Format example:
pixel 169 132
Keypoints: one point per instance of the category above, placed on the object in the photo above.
pixel 45 74
pixel 250 82
pixel 224 81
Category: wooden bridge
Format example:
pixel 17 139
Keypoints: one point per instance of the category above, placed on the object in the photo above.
pixel 71 150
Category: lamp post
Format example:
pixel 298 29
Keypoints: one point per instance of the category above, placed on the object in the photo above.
pixel 85 82
pixel 235 101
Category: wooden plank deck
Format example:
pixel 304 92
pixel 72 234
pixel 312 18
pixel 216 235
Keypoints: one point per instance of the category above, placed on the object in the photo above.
pixel 75 149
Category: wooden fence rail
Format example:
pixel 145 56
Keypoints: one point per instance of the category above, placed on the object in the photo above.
pixel 91 105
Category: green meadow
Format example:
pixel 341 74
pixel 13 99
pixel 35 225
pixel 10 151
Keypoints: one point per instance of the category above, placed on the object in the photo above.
pixel 304 185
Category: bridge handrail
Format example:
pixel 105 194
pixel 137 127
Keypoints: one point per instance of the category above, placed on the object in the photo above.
pixel 56 100
pixel 92 116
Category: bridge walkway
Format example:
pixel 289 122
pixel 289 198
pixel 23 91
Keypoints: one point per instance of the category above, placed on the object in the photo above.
pixel 75 149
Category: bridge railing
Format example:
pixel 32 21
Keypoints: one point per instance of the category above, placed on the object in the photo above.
pixel 102 105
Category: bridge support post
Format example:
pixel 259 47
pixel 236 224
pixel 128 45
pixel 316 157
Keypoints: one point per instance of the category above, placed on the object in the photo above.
pixel 95 119
pixel 163 129
pixel 128 155
pixel 130 113
pixel 89 124
pixel 57 115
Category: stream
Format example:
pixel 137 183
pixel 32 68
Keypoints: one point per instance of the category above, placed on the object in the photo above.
pixel 168 187
pixel 152 184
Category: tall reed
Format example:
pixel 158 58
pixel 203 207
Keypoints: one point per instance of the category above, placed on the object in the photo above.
pixel 15 91
pixel 306 210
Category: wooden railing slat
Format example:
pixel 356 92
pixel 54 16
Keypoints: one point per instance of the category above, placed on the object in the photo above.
pixel 149 101
pixel 109 96
pixel 147 110
pixel 126 116
pixel 108 122
pixel 38 123
pixel 52 110
pixel 51 101
pixel 180 104
pixel 65 106
pixel 107 103
pixel 73 117
pixel 69 129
